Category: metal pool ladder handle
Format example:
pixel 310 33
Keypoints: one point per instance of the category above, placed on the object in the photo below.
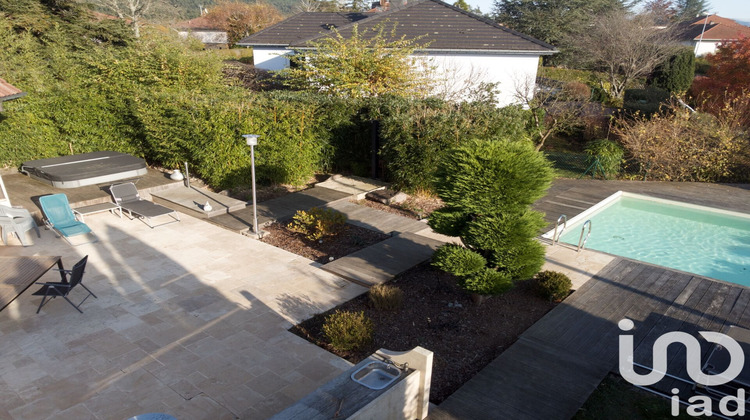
pixel 581 239
pixel 555 235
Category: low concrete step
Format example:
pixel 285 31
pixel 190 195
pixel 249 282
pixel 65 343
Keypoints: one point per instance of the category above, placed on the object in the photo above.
pixel 192 201
pixel 352 185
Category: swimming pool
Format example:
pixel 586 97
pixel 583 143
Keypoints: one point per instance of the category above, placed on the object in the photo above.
pixel 702 240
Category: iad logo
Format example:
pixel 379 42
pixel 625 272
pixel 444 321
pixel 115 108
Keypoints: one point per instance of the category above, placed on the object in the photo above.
pixel 699 404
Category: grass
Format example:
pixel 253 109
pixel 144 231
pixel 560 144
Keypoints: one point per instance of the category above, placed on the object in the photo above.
pixel 615 398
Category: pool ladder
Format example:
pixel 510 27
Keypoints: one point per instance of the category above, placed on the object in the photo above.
pixel 581 239
pixel 559 231
pixel 556 235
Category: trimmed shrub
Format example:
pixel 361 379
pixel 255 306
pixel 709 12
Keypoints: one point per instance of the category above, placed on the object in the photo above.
pixel 385 297
pixel 457 260
pixel 417 134
pixel 486 282
pixel 676 74
pixel 553 285
pixel 609 154
pixel 348 331
pixel 488 187
pixel 317 222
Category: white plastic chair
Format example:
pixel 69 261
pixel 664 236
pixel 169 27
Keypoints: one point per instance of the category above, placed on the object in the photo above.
pixel 18 221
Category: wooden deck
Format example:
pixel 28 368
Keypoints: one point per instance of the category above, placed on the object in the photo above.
pixel 573 196
pixel 555 365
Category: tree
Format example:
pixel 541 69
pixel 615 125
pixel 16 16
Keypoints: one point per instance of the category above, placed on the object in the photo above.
pixel 488 187
pixel 133 11
pixel 676 74
pixel 242 19
pixel 463 5
pixel 357 64
pixel 553 109
pixel 726 86
pixel 623 47
pixel 688 9
pixel 551 20
pixel 663 11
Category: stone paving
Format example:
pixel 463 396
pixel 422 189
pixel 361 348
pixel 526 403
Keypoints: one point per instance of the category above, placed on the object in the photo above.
pixel 190 320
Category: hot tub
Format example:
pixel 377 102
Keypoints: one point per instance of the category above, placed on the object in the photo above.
pixel 85 169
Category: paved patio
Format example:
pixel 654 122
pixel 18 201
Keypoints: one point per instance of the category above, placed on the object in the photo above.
pixel 191 320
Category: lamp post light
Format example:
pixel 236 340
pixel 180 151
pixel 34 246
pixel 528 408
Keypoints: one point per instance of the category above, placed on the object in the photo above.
pixel 252 141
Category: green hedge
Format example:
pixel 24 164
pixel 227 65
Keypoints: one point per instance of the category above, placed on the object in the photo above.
pixel 92 86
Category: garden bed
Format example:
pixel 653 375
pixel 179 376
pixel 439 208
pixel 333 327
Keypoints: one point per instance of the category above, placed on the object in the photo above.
pixel 349 239
pixel 415 207
pixel 439 316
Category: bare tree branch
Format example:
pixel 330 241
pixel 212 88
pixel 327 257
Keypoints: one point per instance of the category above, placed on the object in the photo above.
pixel 625 47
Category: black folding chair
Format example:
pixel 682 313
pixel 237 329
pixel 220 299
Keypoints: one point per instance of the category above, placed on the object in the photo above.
pixel 72 278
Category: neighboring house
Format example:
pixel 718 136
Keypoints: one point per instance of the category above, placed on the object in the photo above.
pixel 705 33
pixel 8 92
pixel 201 29
pixel 465 49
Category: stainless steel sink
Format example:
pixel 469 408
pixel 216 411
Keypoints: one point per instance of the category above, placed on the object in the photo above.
pixel 376 375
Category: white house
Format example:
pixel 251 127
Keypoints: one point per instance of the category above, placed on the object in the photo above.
pixel 705 33
pixel 463 49
pixel 203 30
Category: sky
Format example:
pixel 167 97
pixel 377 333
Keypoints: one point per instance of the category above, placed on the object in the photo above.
pixel 732 9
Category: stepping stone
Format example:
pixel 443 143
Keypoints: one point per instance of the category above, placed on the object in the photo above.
pixel 383 261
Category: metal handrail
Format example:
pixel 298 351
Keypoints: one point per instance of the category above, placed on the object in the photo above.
pixel 555 236
pixel 581 244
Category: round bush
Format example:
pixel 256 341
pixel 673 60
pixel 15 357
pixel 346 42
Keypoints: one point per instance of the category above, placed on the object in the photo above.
pixel 486 282
pixel 457 260
pixel 348 331
pixel 553 285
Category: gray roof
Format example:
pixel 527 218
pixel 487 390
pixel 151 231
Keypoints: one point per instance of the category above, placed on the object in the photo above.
pixel 443 27
pixel 301 26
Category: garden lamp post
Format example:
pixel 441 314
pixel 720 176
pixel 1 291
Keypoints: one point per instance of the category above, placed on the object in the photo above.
pixel 252 141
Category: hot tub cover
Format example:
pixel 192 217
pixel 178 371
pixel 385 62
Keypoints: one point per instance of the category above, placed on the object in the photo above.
pixel 85 169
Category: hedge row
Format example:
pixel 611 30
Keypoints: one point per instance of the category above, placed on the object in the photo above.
pixel 164 99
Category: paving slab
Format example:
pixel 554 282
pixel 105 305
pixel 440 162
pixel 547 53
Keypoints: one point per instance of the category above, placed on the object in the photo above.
pixel 352 185
pixel 377 220
pixel 281 208
pixel 192 201
pixel 380 262
pixel 190 320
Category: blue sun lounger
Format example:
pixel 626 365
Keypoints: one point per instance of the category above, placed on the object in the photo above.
pixel 60 218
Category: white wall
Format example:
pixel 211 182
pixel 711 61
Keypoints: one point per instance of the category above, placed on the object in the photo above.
pixel 458 74
pixel 706 47
pixel 271 58
pixel 206 37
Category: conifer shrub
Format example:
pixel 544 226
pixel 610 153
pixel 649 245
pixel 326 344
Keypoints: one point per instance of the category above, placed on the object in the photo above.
pixel 457 260
pixel 385 297
pixel 553 285
pixel 488 187
pixel 348 331
pixel 675 74
pixel 486 281
pixel 317 222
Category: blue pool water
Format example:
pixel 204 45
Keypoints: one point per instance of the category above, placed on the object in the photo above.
pixel 696 240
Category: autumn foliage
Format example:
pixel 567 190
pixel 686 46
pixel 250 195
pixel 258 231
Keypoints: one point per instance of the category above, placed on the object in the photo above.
pixel 727 83
pixel 242 19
